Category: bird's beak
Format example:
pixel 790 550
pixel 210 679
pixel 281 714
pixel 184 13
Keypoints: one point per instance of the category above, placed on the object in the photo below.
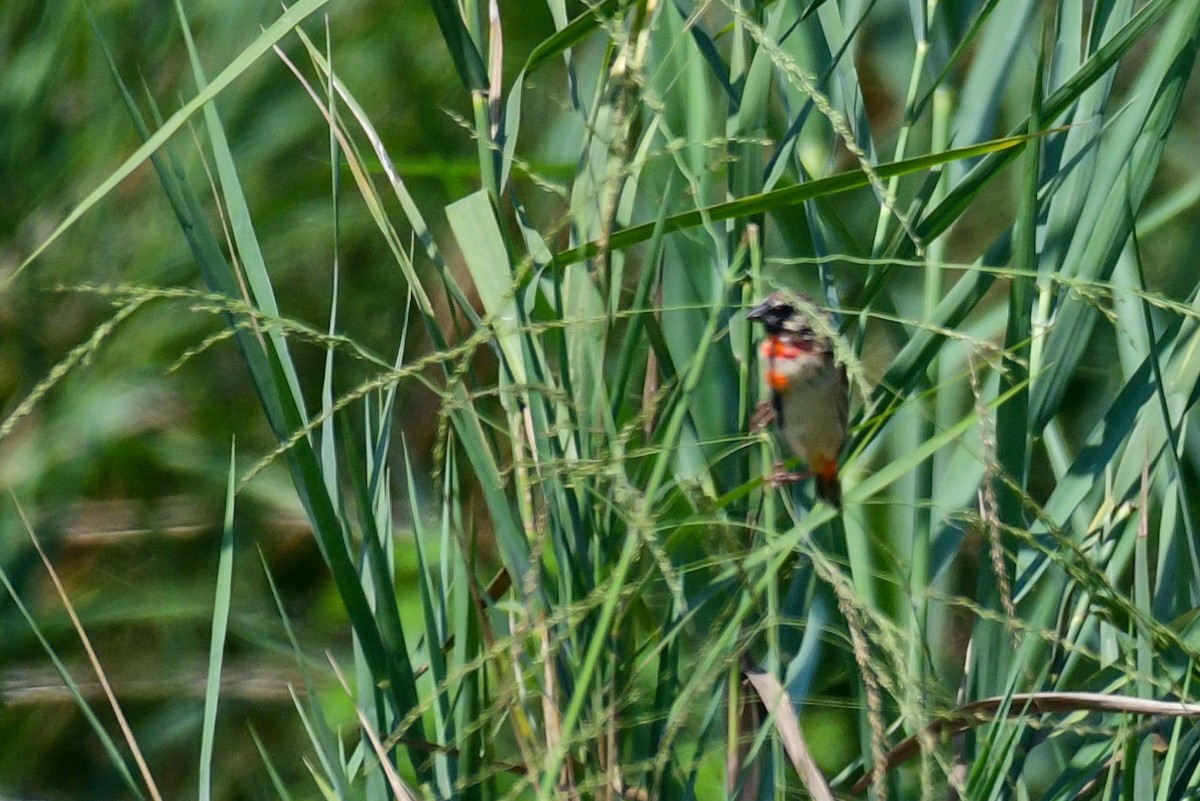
pixel 759 312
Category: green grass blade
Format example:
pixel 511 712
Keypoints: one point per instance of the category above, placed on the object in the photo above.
pixel 320 734
pixel 97 727
pixel 462 48
pixel 788 196
pixel 253 264
pixel 220 626
pixel 287 21
pixel 570 35
pixel 277 784
pixel 1120 185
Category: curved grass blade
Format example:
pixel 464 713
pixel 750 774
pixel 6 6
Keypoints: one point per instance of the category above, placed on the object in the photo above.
pixel 292 17
pixel 1125 168
pixel 98 728
pixel 787 725
pixel 270 379
pixel 571 35
pixel 324 742
pixel 93 659
pixel 787 196
pixel 951 208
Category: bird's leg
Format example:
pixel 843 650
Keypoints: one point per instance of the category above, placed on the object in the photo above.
pixel 782 476
pixel 764 415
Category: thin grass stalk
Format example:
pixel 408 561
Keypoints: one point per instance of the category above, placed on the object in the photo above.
pixel 890 190
pixel 931 418
pixel 99 729
pixel 153 143
pixel 220 627
pixel 628 551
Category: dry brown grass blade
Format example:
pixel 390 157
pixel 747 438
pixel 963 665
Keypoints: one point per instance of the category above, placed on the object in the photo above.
pixel 399 788
pixel 743 776
pixel 143 768
pixel 551 713
pixel 495 67
pixel 787 725
pixel 1025 704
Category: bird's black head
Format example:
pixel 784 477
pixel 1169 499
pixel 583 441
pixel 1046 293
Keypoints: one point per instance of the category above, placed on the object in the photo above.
pixel 779 316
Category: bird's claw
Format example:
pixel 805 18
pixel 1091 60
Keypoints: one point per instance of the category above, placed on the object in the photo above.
pixel 764 415
pixel 780 476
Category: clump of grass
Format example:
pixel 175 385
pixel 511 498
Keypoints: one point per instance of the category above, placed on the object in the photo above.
pixel 608 600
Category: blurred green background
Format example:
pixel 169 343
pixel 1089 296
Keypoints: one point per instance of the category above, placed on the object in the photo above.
pixel 121 469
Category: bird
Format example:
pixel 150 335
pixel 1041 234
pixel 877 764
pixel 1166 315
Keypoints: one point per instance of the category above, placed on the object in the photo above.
pixel 810 395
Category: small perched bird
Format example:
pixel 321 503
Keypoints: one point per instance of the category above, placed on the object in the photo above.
pixel 810 396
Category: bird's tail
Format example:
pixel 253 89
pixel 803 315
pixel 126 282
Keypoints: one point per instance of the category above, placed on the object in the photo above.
pixel 825 479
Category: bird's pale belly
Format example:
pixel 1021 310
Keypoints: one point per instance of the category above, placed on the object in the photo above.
pixel 811 423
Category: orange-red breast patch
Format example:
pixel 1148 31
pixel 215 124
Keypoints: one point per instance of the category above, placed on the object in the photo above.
pixel 778 348
pixel 827 469
pixel 775 349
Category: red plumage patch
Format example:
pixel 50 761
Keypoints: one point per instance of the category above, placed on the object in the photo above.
pixel 777 349
pixel 774 347
pixel 825 468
